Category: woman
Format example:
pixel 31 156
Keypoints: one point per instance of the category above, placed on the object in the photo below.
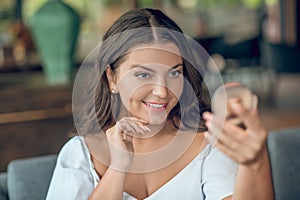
pixel 149 141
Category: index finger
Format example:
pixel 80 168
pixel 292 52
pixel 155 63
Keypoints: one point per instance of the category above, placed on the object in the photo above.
pixel 139 120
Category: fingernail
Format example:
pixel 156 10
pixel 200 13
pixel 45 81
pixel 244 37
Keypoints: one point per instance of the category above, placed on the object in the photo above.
pixel 236 105
pixel 141 120
pixel 206 115
pixel 146 128
pixel 131 130
pixel 254 101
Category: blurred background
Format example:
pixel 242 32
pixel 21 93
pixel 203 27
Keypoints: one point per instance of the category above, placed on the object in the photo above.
pixel 256 42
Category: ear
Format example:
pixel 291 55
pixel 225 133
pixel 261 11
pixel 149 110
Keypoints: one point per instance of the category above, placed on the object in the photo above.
pixel 111 78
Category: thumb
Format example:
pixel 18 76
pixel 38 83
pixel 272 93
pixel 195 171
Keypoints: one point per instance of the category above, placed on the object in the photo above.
pixel 250 117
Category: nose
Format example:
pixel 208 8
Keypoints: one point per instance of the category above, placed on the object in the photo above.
pixel 160 90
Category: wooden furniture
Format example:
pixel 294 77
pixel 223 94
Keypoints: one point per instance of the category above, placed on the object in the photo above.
pixel 35 118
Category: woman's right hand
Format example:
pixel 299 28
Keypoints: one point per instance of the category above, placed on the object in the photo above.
pixel 120 138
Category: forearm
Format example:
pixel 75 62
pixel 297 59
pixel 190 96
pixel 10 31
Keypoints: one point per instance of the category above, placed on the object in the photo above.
pixel 110 187
pixel 254 181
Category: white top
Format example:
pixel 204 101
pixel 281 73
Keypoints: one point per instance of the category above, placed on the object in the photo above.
pixel 212 178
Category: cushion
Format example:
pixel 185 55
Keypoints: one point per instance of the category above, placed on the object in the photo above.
pixel 29 178
pixel 3 186
pixel 284 150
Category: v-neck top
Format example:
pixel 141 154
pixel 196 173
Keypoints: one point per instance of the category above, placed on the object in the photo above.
pixel 210 176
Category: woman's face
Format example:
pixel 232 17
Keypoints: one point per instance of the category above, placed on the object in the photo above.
pixel 149 81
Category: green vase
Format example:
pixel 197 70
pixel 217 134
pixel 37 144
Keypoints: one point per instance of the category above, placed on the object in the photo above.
pixel 55 27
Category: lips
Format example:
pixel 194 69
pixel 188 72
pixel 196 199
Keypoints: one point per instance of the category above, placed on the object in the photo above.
pixel 156 106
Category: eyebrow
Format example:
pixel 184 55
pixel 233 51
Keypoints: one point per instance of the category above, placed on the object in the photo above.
pixel 152 70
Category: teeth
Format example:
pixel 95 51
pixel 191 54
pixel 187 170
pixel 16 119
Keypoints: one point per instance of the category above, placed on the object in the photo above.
pixel 156 105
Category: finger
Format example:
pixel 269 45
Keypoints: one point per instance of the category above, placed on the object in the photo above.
pixel 254 103
pixel 138 125
pixel 130 124
pixel 233 137
pixel 253 120
pixel 210 138
pixel 206 115
pixel 214 126
pixel 233 129
pixel 127 137
pixel 240 141
pixel 218 144
pixel 234 153
pixel 248 117
pixel 141 125
pixel 237 107
pixel 227 133
pixel 127 132
pixel 139 120
pixel 123 126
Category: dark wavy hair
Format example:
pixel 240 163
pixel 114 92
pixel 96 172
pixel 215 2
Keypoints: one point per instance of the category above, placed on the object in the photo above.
pixel 134 28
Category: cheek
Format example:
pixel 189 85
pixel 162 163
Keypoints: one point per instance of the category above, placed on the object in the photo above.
pixel 127 87
pixel 176 87
pixel 132 90
pixel 131 93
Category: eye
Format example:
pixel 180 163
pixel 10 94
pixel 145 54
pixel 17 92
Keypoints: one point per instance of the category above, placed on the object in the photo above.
pixel 174 73
pixel 142 75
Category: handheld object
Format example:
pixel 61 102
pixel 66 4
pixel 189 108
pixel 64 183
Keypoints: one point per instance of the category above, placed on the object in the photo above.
pixel 222 95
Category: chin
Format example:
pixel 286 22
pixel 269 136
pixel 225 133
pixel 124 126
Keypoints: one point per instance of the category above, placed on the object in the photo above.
pixel 157 120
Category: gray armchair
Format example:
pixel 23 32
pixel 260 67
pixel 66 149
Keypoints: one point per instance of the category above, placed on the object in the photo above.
pixel 3 186
pixel 27 179
pixel 284 150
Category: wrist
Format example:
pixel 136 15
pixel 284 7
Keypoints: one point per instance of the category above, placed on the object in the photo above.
pixel 261 162
pixel 121 167
pixel 118 174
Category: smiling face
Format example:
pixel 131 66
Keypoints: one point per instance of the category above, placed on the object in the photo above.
pixel 149 81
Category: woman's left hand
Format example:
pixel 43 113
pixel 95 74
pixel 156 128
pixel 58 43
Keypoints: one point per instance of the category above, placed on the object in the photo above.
pixel 245 146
